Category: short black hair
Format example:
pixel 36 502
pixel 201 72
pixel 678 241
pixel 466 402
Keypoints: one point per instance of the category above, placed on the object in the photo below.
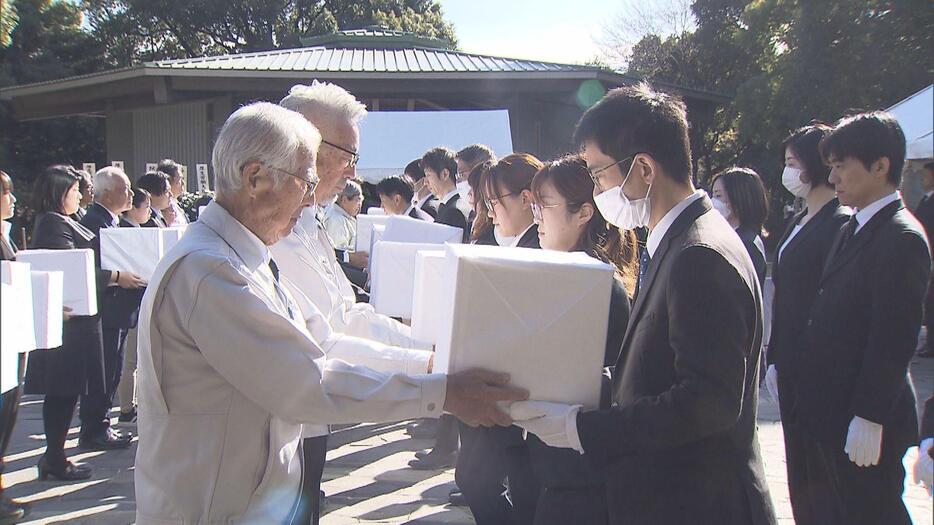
pixel 170 168
pixel 52 185
pixel 747 196
pixel 395 185
pixel 475 154
pixel 139 197
pixel 440 159
pixel 867 137
pixel 155 182
pixel 414 170
pixel 84 182
pixel 804 142
pixel 639 119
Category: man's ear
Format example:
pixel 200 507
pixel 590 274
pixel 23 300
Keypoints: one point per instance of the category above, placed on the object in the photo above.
pixel 646 167
pixel 880 167
pixel 250 174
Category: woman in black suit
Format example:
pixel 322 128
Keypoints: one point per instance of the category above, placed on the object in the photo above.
pixel 738 194
pixel 77 367
pixel 568 220
pixel 507 195
pixel 796 271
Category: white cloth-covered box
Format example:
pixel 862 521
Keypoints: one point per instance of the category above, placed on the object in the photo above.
pixel 429 292
pixel 47 297
pixel 392 277
pixel 539 315
pixel 170 236
pixel 80 274
pixel 136 250
pixel 373 210
pixel 16 320
pixel 365 230
pixel 401 228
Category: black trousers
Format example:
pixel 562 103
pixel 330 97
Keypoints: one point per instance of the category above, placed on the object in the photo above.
pixel 314 452
pixel 9 407
pixel 447 438
pixel 96 405
pixel 57 412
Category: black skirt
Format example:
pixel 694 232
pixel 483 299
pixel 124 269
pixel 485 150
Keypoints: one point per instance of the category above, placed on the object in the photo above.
pixel 75 368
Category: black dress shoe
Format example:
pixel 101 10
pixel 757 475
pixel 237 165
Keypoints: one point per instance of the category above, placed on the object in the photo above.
pixel 434 461
pixel 420 454
pixel 128 417
pixel 457 499
pixel 110 440
pixel 425 429
pixel 70 472
pixel 11 512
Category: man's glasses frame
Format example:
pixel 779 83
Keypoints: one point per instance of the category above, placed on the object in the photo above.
pixel 354 156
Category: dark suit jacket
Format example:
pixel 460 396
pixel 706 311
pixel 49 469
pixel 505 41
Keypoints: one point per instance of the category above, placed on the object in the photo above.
pixel 529 239
pixel 925 213
pixel 796 276
pixel 430 206
pixel 927 419
pixel 749 236
pixel 685 390
pixel 453 215
pixel 119 307
pixel 863 329
pixel 154 221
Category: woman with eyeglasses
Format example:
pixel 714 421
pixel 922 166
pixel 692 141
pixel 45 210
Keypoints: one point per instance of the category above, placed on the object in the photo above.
pixel 568 220
pixel 507 193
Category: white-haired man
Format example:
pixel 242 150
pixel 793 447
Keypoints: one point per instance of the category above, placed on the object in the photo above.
pixel 229 369
pixel 119 299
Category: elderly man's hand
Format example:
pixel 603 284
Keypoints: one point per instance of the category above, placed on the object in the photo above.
pixel 358 259
pixel 472 396
pixel 130 280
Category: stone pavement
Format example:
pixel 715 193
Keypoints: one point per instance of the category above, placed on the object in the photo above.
pixel 367 478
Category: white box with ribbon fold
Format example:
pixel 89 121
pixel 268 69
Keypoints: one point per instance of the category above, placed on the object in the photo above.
pixel 16 320
pixel 80 274
pixel 48 296
pixel 171 236
pixel 136 250
pixel 428 295
pixel 400 228
pixel 365 230
pixel 392 277
pixel 539 315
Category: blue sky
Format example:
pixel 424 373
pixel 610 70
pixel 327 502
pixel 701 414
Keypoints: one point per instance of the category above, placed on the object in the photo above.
pixel 551 30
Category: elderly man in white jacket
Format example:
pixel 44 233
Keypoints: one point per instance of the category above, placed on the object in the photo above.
pixel 229 371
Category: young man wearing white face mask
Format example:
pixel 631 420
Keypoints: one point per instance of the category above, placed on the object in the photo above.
pixel 685 389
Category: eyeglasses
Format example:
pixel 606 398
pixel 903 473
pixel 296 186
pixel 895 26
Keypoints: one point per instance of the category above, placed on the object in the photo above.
pixel 593 173
pixel 354 156
pixel 537 209
pixel 310 183
pixel 494 201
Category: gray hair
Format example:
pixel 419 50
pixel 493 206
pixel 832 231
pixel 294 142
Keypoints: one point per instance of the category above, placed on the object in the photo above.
pixel 105 180
pixel 323 101
pixel 266 133
pixel 351 190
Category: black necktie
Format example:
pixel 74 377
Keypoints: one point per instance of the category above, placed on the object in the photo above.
pixel 848 232
pixel 274 268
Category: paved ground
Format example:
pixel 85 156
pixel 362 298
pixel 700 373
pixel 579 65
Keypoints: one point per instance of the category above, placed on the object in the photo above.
pixel 367 478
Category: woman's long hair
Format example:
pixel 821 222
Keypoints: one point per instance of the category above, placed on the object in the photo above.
pixel 570 178
pixel 481 222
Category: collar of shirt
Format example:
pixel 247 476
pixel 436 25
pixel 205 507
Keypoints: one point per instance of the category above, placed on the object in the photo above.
pixel 113 218
pixel 517 238
pixel 450 195
pixel 658 233
pixel 157 213
pixel 338 209
pixel 5 228
pixel 249 247
pixel 419 202
pixel 864 215
pixel 409 209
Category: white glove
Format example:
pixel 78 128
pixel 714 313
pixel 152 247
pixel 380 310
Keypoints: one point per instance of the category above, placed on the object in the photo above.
pixel 771 381
pixel 924 466
pixel 863 442
pixel 554 423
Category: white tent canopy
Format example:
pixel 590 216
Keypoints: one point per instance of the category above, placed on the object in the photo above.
pixel 391 139
pixel 915 114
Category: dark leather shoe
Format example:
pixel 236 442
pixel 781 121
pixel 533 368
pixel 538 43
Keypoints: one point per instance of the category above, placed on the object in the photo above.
pixel 111 440
pixel 128 417
pixel 11 512
pixel 434 461
pixel 425 429
pixel 420 454
pixel 70 472
pixel 457 499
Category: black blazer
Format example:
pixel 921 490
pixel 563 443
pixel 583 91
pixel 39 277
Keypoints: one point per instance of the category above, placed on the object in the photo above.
pixel 925 213
pixel 119 307
pixel 749 236
pixel 529 239
pixel 454 214
pixel 154 221
pixel 862 331
pixel 685 389
pixel 430 206
pixel 795 276
pixel 927 419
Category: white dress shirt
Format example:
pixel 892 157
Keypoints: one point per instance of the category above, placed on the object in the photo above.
pixel 449 195
pixel 864 215
pixel 658 233
pixel 180 218
pixel 515 240
pixel 229 372
pixel 419 212
pixel 341 227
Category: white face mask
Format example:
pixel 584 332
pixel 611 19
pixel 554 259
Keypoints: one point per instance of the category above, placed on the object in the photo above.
pixel 621 212
pixel 791 179
pixel 721 207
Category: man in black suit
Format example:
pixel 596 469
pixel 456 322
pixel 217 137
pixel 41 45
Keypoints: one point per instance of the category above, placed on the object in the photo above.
pixel 119 308
pixel 396 198
pixel 925 213
pixel 678 444
pixel 440 170
pixel 854 395
pixel 423 199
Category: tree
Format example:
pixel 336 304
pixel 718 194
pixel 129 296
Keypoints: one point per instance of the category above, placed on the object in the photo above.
pixel 8 20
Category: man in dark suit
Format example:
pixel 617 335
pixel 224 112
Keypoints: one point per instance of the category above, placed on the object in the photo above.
pixel 854 394
pixel 396 198
pixel 925 213
pixel 440 170
pixel 119 309
pixel 678 444
pixel 423 199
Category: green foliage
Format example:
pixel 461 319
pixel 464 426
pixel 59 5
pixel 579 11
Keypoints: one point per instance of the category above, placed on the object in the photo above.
pixel 8 20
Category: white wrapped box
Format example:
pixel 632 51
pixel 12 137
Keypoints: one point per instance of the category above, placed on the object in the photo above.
pixel 47 296
pixel 136 250
pixel 539 315
pixel 402 228
pixel 375 211
pixel 170 236
pixel 16 321
pixel 429 293
pixel 365 230
pixel 79 270
pixel 392 277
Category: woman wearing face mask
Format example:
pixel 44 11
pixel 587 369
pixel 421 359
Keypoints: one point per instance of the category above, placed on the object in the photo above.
pixel 738 194
pixel 568 220
pixel 796 272
pixel 506 189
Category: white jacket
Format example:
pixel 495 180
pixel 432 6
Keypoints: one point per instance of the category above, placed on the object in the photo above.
pixel 228 373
